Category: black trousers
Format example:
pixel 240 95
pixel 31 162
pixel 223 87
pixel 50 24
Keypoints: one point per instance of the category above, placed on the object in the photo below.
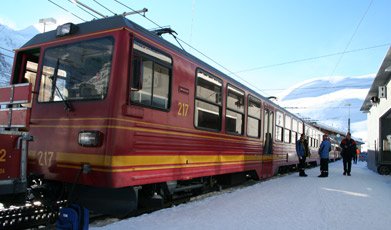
pixel 302 165
pixel 355 158
pixel 324 166
pixel 347 164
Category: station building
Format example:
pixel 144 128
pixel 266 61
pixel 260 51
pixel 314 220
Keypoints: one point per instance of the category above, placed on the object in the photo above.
pixel 377 105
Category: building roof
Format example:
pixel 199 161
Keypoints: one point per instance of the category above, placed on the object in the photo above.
pixel 382 79
pixel 329 129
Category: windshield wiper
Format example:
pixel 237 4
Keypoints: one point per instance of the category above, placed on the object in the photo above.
pixel 68 105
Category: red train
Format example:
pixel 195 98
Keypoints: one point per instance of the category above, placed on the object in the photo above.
pixel 119 118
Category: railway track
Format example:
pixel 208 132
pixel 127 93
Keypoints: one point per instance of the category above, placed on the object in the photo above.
pixel 30 215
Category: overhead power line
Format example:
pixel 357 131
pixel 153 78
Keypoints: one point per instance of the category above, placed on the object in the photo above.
pixel 323 87
pixel 86 8
pixel 193 48
pixel 7 49
pixel 351 38
pixel 235 74
pixel 104 7
pixel 312 58
pixel 320 107
pixel 67 10
pixel 5 55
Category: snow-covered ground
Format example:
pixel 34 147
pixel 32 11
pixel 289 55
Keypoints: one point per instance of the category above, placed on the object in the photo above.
pixel 361 201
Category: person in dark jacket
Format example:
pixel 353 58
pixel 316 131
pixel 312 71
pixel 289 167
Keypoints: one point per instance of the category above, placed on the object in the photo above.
pixel 348 146
pixel 324 149
pixel 302 153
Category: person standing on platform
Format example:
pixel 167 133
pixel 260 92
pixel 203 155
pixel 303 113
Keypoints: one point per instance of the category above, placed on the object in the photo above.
pixel 324 149
pixel 302 153
pixel 355 157
pixel 348 146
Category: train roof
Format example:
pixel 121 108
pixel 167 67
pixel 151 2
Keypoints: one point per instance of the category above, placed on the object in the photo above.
pixel 117 22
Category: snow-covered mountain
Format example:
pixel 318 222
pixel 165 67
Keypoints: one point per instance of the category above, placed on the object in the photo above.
pixel 330 101
pixel 9 40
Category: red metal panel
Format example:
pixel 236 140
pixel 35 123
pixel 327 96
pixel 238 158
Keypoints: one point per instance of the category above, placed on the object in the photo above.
pixel 15 117
pixel 15 94
pixel 9 157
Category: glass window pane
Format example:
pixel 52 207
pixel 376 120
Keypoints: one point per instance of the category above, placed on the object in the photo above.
pixel 266 121
pixel 154 90
pixel 288 122
pixel 253 127
pixel 235 99
pixel 254 109
pixel 207 115
pixel 279 119
pixel 143 96
pixel 294 125
pixel 151 52
pixel 293 137
pixel 209 88
pixel 300 126
pixel 78 71
pixel 161 85
pixel 271 117
pixel 234 122
pixel 287 136
pixel 279 133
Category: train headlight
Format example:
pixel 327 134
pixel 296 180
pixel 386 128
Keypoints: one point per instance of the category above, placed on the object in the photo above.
pixel 90 138
pixel 66 29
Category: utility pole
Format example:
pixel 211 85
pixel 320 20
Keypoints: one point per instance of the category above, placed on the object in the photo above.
pixel 47 21
pixel 348 105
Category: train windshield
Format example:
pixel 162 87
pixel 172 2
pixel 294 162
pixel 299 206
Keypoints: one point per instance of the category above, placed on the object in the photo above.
pixel 77 71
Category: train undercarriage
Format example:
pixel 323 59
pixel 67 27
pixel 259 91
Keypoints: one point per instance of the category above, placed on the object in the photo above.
pixel 40 204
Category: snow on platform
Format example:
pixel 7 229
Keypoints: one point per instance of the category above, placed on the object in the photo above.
pixel 361 201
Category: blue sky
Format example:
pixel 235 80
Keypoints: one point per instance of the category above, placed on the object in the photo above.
pixel 252 39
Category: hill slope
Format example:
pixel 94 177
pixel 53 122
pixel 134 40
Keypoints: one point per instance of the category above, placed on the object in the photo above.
pixel 330 101
pixel 9 40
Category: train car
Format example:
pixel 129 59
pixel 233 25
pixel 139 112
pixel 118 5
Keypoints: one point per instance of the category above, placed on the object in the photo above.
pixel 120 119
pixel 335 153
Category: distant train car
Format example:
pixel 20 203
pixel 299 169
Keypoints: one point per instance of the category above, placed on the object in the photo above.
pixel 335 153
pixel 121 118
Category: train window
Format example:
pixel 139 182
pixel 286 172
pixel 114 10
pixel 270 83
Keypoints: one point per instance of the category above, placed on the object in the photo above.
pixel 293 137
pixel 77 71
pixel 294 131
pixel 151 77
pixel 208 101
pixel 287 130
pixel 300 128
pixel 279 126
pixel 288 122
pixel 234 119
pixel 254 117
pixel 268 132
pixel 287 136
pixel 294 125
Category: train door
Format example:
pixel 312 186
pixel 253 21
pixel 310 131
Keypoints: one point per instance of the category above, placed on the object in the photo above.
pixel 267 165
pixel 268 132
pixel 27 61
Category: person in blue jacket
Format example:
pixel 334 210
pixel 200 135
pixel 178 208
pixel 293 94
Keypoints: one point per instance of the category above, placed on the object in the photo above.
pixel 302 153
pixel 324 149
